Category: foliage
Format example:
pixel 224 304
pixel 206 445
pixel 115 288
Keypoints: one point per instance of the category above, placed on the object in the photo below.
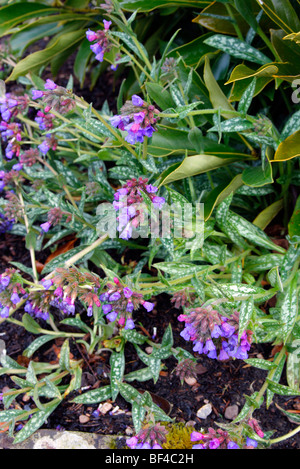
pixel 197 122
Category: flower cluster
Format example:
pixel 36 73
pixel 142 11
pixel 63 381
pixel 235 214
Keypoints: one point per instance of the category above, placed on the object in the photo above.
pixel 220 439
pixel 137 118
pixel 61 292
pixel 215 335
pixel 187 368
pixel 118 303
pixel 11 133
pixel 45 120
pixel 11 291
pixel 150 437
pixel 183 298
pixel 11 105
pixel 128 202
pixel 100 39
pixel 213 440
pixel 54 97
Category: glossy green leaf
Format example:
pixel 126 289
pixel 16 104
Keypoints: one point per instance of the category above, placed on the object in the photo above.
pixel 289 309
pixel 149 5
pixel 289 148
pixel 117 366
pixel 282 13
pixel 294 223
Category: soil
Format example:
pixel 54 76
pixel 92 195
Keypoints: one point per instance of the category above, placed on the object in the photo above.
pixel 220 384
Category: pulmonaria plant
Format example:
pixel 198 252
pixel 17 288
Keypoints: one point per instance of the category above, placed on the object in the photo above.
pixel 130 207
pixel 137 118
pixel 119 302
pixel 150 437
pixel 215 335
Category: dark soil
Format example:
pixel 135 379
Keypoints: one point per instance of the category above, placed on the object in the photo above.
pixel 221 384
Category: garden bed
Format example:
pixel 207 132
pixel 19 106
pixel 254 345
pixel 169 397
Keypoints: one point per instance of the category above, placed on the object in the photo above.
pixel 222 385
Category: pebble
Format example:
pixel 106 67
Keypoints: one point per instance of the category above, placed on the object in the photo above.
pixel 84 418
pixel 190 381
pixel 231 412
pixel 105 408
pixel 204 411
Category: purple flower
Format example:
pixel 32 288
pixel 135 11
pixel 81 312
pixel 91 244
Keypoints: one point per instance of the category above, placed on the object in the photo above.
pixel 151 189
pixel 47 283
pixel 132 442
pixel 100 56
pixel 137 101
pixel 198 347
pixel 126 233
pixel 129 324
pixel 90 311
pixel 50 85
pixel 106 309
pixel 158 202
pixel 5 281
pixel 91 35
pixel 36 94
pixel 214 444
pixel 251 442
pixel 45 227
pixel 106 24
pixel 130 307
pixel 127 292
pixel 199 446
pixel 4 313
pixel 232 445
pixel 196 436
pixel 44 147
pixel 116 120
pixel 15 299
pixel 115 296
pixel 112 316
pixel 148 306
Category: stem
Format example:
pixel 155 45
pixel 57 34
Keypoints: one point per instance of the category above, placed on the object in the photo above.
pixel 235 24
pixel 31 249
pixel 285 437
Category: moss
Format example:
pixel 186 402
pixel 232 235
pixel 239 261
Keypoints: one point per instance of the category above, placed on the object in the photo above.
pixel 178 437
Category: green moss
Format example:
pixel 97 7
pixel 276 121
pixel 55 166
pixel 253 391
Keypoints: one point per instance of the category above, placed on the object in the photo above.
pixel 178 436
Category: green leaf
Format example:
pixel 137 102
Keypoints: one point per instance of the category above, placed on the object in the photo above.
pixel 237 124
pixel 94 396
pixel 281 389
pixel 117 366
pixel 294 223
pixel 10 16
pixel 283 14
pixel 237 48
pixel 33 62
pixel 260 363
pixel 36 344
pixel 35 422
pixel 245 9
pixel 149 5
pixel 216 95
pixel 289 309
pixel 246 312
pixel 64 359
pixel 160 96
pixel 247 97
pixel 30 324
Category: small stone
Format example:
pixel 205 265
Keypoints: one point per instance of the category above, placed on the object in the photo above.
pixel 204 411
pixel 149 350
pixel 84 418
pixel 231 412
pixel 190 381
pixel 106 407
